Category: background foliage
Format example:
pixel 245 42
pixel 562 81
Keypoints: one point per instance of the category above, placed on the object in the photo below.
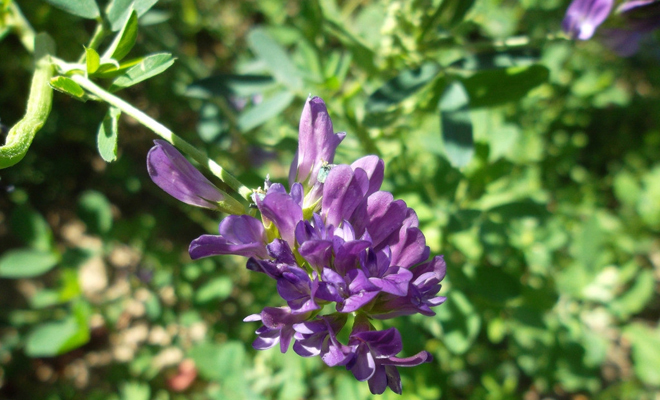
pixel 531 161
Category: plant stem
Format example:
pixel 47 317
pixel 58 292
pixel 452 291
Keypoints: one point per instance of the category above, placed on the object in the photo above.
pixel 20 136
pixel 166 134
pixel 22 27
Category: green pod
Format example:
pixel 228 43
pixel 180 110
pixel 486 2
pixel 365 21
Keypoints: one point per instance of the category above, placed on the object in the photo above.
pixel 39 103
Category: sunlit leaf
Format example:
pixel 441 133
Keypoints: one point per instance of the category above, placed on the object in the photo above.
pixel 401 87
pixel 645 352
pixel 68 86
pixel 94 209
pixel 92 60
pixel 119 11
pixel 107 135
pixel 230 85
pixel 82 8
pixel 147 68
pixel 26 263
pixel 54 338
pixel 497 86
pixel 460 322
pixel 31 227
pixel 264 111
pixel 275 58
pixel 124 40
pixel 456 124
pixel 217 289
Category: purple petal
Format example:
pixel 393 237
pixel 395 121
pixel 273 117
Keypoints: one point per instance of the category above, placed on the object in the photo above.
pixel 378 381
pixel 310 346
pixel 363 365
pixel 213 245
pixel 346 254
pixel 270 268
pixel 384 343
pixel 170 170
pixel 412 361
pixel 316 252
pixel 343 191
pixel 284 211
pixel 333 354
pixel 395 282
pixel 266 338
pixel 285 338
pixel 239 234
pixel 584 16
pixel 393 379
pixel 411 248
pixel 380 215
pixel 632 5
pixel 317 143
pixel 375 169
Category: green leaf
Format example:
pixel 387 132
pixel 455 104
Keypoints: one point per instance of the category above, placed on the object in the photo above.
pixel 452 12
pixel 401 87
pixel 124 41
pixel 111 69
pixel 26 263
pixel 635 299
pixel 217 289
pixel 264 111
pixel 460 322
pixel 107 135
pixel 276 59
pixel 68 86
pixel 82 8
pixel 493 87
pixel 495 285
pixel 645 352
pixel 55 338
pixel 119 11
pixel 501 59
pixel 92 60
pixel 219 362
pixel 210 125
pixel 94 210
pixel 230 85
pixel 135 391
pixel 28 225
pixel 456 124
pixel 148 67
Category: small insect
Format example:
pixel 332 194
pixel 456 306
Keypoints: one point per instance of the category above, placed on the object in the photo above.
pixel 324 171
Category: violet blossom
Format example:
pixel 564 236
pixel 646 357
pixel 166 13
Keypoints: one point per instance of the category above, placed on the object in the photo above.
pixel 584 16
pixel 631 22
pixel 637 19
pixel 333 239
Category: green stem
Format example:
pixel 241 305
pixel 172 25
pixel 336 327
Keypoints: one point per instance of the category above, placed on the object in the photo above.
pixel 39 103
pixel 22 27
pixel 166 134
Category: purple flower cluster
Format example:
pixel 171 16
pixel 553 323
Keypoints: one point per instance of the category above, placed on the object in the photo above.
pixel 636 19
pixel 334 237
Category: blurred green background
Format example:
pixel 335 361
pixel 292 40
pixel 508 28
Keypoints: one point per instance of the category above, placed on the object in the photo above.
pixel 547 211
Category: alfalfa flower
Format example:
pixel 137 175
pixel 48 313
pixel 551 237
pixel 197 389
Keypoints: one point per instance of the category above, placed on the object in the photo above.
pixel 334 239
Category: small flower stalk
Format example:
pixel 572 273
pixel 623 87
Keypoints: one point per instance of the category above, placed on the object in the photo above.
pixel 332 241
